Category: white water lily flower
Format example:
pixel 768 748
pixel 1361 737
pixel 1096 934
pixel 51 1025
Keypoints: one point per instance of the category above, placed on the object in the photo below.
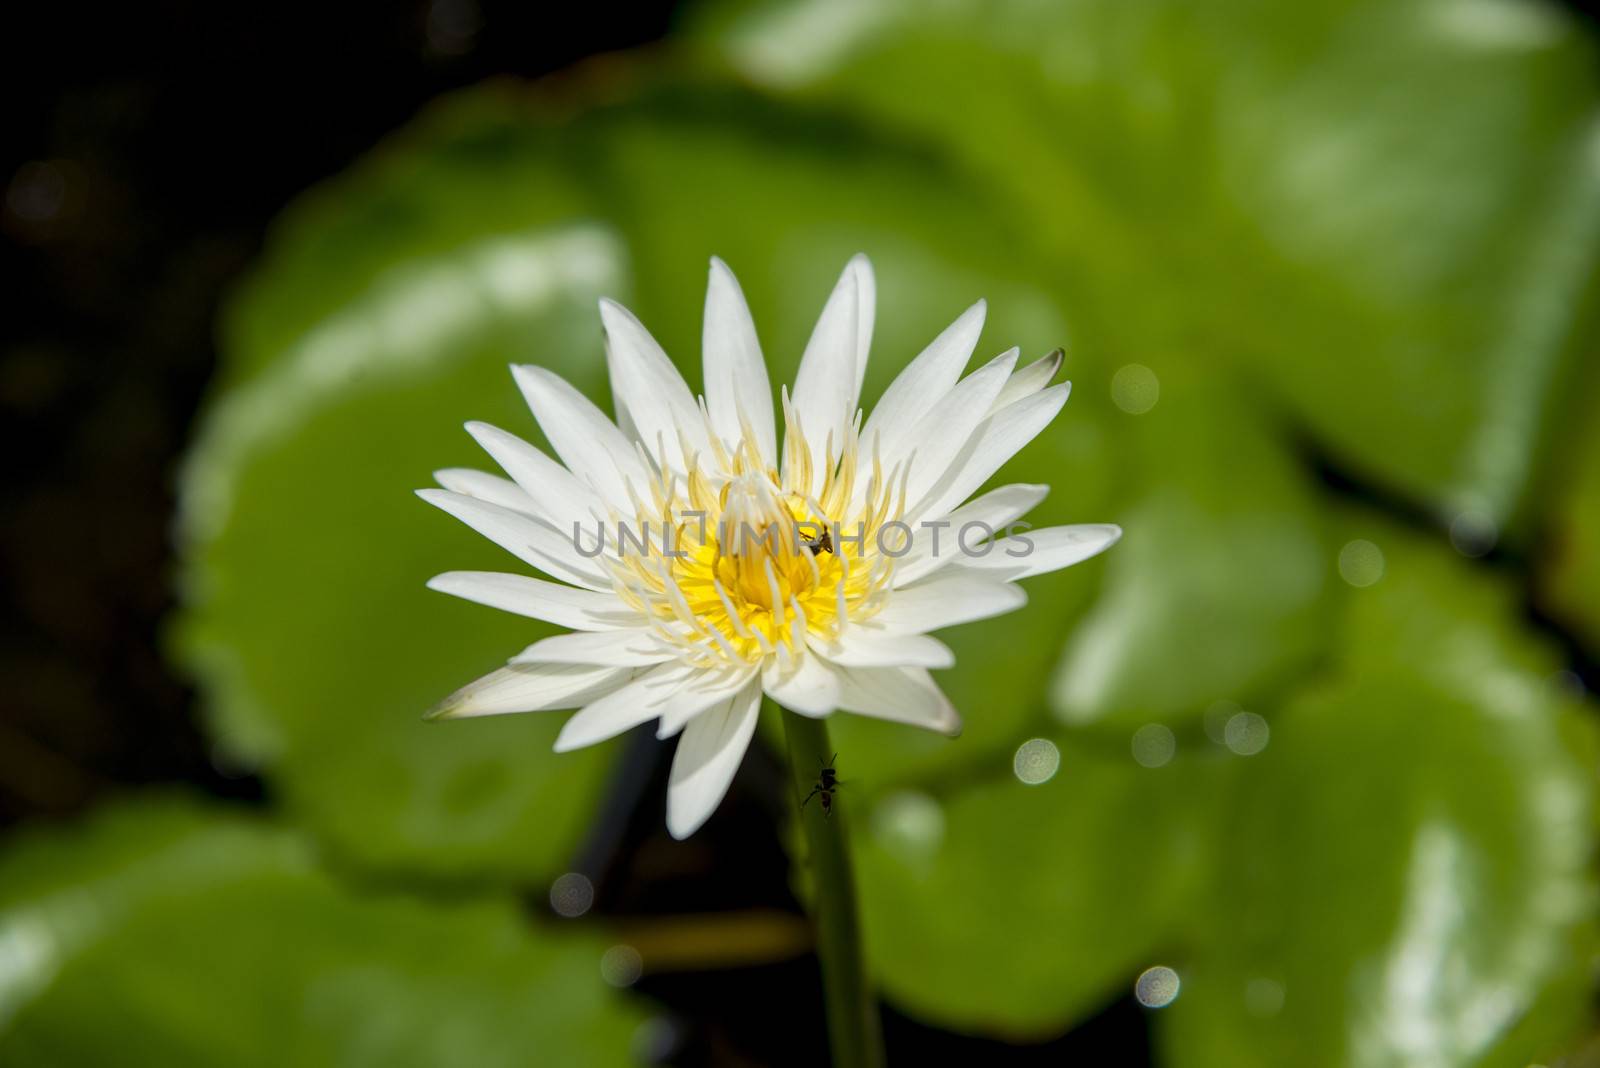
pixel 699 567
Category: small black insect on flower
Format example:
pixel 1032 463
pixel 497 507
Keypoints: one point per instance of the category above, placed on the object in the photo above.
pixel 822 543
pixel 827 783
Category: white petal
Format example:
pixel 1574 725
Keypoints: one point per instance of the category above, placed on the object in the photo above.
pixel 558 494
pixel 1028 381
pixel 617 648
pixel 861 646
pixel 588 443
pixel 564 606
pixel 925 379
pixel 804 683
pixel 531 688
pixel 735 374
pixel 939 436
pixel 828 382
pixel 901 695
pixel 867 283
pixel 487 487
pixel 945 599
pixel 706 690
pixel 997 439
pixel 1047 549
pixel 650 387
pixel 639 701
pixel 709 753
pixel 531 540
pixel 625 423
pixel 937 542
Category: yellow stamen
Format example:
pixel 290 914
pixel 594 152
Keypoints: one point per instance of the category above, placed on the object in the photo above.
pixel 742 572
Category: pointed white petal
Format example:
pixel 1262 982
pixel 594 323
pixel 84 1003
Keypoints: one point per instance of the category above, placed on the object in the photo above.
pixel 588 443
pixel 639 701
pixel 735 374
pixel 706 690
pixel 531 540
pixel 866 316
pixel 531 688
pixel 826 386
pixel 1047 549
pixel 650 387
pixel 937 542
pixel 946 599
pixel 625 423
pixel 709 753
pixel 804 683
pixel 638 647
pixel 1028 381
pixel 936 440
pixel 558 495
pixel 901 695
pixel 925 379
pixel 487 487
pixel 564 606
pixel 861 646
pixel 997 439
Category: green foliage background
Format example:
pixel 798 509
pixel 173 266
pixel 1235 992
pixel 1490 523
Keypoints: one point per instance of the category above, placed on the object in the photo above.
pixel 1344 236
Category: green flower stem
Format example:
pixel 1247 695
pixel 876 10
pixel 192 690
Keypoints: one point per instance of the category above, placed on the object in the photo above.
pixel 854 1032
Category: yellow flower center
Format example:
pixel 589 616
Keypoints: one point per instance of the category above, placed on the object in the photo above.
pixel 742 563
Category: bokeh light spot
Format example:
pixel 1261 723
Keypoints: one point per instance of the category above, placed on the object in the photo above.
pixel 1036 761
pixel 1135 388
pixel 230 759
pixel 1247 733
pixel 1360 563
pixel 1473 533
pixel 453 26
pixel 1154 744
pixel 38 192
pixel 657 1040
pixel 621 965
pixel 571 895
pixel 909 824
pixel 1156 987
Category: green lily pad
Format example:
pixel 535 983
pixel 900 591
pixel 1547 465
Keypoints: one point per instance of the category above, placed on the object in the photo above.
pixel 306 620
pixel 1403 878
pixel 1386 213
pixel 1217 589
pixel 1391 869
pixel 1013 908
pixel 165 934
pixel 1569 560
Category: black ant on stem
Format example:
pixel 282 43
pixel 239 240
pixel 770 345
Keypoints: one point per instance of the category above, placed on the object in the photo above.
pixel 827 783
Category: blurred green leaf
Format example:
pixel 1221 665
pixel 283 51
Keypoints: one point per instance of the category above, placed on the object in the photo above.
pixel 1215 591
pixel 1405 869
pixel 1014 909
pixel 1569 563
pixel 1385 212
pixel 306 619
pixel 465 172
pixel 163 934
